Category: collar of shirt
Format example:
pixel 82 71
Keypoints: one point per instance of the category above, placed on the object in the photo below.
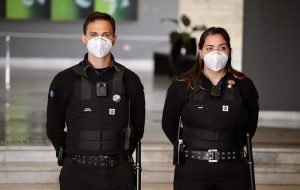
pixel 97 74
pixel 207 84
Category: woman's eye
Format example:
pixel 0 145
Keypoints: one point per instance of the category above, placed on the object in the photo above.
pixel 223 48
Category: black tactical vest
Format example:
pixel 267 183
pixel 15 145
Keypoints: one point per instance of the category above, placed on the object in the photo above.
pixel 214 123
pixel 96 121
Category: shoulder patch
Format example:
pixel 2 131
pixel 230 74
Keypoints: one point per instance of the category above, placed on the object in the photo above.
pixel 51 93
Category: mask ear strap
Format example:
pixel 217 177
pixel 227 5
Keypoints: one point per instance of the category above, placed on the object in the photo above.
pixel 86 38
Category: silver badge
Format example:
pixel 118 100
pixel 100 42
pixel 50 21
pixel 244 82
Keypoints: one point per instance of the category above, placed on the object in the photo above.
pixel 116 98
pixel 111 111
pixel 225 108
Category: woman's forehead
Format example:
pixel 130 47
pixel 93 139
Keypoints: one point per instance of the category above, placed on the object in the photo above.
pixel 215 40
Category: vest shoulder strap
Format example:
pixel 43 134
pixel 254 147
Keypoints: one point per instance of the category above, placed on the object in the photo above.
pixel 80 69
pixel 118 78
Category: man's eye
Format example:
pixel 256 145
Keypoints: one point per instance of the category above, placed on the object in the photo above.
pixel 106 35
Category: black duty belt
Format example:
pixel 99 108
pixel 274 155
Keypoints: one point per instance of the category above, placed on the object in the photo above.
pixel 100 160
pixel 214 155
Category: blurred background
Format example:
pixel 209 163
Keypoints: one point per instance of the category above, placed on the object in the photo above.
pixel 39 38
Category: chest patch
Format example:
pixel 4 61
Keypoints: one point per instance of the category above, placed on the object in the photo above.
pixel 88 109
pixel 111 111
pixel 225 108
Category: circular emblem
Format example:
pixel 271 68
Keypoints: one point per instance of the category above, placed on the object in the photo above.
pixel 230 83
pixel 51 93
pixel 116 98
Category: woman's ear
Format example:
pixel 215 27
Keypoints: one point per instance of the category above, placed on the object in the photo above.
pixel 201 54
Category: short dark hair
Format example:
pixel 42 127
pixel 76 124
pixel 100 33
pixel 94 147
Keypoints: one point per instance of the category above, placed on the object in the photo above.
pixel 99 16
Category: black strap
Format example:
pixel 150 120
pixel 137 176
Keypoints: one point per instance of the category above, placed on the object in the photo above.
pixel 118 79
pixel 100 135
pixel 230 92
pixel 210 135
pixel 80 69
pixel 86 89
pixel 101 141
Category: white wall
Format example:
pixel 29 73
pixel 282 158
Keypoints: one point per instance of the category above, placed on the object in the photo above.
pixel 227 14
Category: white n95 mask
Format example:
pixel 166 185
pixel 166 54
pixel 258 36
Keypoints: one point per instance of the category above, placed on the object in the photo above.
pixel 99 46
pixel 216 60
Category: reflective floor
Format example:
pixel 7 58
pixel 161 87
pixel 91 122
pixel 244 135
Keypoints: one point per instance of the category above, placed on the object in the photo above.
pixel 23 107
pixel 23 117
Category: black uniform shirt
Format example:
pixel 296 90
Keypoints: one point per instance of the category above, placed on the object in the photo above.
pixel 61 91
pixel 178 93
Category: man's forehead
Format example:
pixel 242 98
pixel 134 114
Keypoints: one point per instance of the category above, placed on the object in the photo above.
pixel 99 25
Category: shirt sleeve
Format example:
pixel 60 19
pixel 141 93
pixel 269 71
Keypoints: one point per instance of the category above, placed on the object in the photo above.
pixel 135 92
pixel 56 108
pixel 251 100
pixel 172 109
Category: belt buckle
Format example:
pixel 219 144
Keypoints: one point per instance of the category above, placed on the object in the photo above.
pixel 212 157
pixel 104 160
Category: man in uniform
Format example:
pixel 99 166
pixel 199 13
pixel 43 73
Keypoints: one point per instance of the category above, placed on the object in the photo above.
pixel 96 114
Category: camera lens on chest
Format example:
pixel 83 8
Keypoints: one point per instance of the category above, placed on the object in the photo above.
pixel 101 89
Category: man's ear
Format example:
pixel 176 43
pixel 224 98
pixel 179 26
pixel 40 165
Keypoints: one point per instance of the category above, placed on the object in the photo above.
pixel 114 39
pixel 83 39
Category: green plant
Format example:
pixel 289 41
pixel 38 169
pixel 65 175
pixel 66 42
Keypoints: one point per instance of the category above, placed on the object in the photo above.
pixel 182 43
pixel 184 24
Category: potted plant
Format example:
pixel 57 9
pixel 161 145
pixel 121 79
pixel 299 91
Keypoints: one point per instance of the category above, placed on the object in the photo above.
pixel 182 43
pixel 181 40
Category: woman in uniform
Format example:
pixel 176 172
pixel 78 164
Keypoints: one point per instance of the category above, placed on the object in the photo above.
pixel 207 113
